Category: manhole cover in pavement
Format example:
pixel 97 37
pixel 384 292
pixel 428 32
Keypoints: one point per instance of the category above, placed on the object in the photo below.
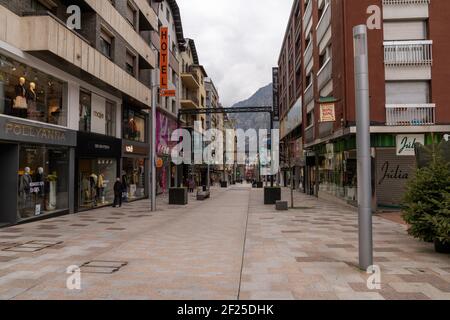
pixel 32 246
pixel 102 267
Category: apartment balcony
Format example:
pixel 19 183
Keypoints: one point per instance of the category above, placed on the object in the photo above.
pixel 410 114
pixel 308 15
pixel 324 74
pixel 189 101
pixel 308 94
pixel 405 9
pixel 309 134
pixel 308 55
pixel 190 79
pixel 323 24
pixel 51 40
pixel 408 53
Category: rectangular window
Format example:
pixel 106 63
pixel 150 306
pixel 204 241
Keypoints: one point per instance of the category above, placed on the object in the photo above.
pixel 43 180
pixel 96 182
pixel 134 125
pixel 85 111
pixel 407 92
pixel 130 63
pixel 28 93
pixel 405 30
pixel 106 41
pixel 110 116
pixel 131 14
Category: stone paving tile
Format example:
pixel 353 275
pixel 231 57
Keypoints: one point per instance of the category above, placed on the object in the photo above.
pixel 319 240
pixel 196 252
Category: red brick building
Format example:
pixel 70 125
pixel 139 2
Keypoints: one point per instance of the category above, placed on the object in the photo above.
pixel 409 74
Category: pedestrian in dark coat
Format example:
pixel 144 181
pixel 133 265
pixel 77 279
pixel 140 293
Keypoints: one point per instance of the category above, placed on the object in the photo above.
pixel 118 189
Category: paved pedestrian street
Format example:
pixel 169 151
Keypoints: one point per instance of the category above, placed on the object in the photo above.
pixel 228 247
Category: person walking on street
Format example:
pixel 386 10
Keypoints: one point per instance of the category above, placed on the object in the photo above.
pixel 118 189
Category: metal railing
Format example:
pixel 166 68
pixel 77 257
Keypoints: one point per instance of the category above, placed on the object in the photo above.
pixel 309 94
pixel 324 23
pixel 403 2
pixel 407 53
pixel 410 114
pixel 308 14
pixel 324 74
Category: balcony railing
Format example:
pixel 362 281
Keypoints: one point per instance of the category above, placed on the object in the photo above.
pixel 410 114
pixel 324 74
pixel 408 53
pixel 308 14
pixel 309 94
pixel 308 54
pixel 309 134
pixel 190 97
pixel 403 2
pixel 324 23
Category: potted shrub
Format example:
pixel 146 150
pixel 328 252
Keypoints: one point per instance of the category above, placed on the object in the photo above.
pixel 426 202
pixel 441 224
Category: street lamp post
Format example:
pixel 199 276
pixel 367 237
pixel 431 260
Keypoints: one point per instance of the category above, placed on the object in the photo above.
pixel 153 143
pixel 363 146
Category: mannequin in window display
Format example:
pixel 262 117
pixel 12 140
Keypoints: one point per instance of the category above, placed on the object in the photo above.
pixel 93 179
pixel 25 181
pixel 101 188
pixel 132 129
pixel 85 188
pixel 20 105
pixel 33 114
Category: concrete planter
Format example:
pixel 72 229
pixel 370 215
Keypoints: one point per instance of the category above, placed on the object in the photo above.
pixel 441 247
pixel 178 196
pixel 272 195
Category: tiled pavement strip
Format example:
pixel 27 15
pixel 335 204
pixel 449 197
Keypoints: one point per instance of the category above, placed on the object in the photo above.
pixel 196 252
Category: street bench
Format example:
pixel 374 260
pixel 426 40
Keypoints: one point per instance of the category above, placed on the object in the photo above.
pixel 281 205
pixel 203 195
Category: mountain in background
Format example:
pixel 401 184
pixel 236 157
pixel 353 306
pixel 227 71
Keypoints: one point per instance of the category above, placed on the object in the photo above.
pixel 261 98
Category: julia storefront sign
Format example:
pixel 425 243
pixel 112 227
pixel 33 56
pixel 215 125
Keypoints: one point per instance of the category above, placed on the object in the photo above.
pixel 327 112
pixel 406 144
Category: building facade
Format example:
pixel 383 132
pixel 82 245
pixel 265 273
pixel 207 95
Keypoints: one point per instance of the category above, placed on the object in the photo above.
pixel 74 104
pixel 167 107
pixel 408 71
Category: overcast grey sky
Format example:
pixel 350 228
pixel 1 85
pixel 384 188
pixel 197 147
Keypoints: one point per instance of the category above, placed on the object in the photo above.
pixel 238 41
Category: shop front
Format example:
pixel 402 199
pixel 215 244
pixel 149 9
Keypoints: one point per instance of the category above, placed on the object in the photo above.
pixel 97 168
pixel 165 170
pixel 135 161
pixel 37 166
pixel 393 165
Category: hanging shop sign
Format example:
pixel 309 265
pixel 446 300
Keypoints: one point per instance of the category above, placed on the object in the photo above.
pixel 167 93
pixel 327 112
pixel 164 57
pixel 406 144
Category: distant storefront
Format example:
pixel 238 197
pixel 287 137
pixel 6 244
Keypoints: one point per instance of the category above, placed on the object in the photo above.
pixel 36 166
pixel 165 170
pixel 135 153
pixel 393 165
pixel 97 164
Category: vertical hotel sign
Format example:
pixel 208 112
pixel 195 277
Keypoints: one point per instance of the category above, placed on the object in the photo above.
pixel 163 58
pixel 276 111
